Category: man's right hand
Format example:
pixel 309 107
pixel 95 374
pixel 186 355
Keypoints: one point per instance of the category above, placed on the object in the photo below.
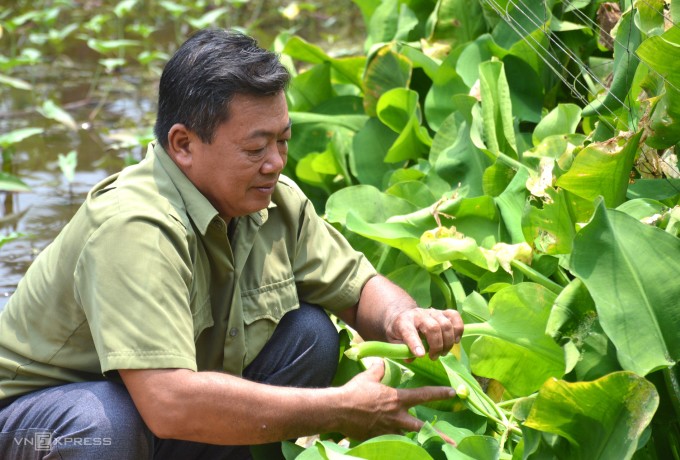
pixel 372 409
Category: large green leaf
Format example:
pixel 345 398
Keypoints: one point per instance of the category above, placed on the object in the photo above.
pixel 456 159
pixel 631 270
pixel 370 145
pixel 387 69
pixel 310 88
pixel 351 69
pixel 457 21
pixel 514 348
pixel 389 447
pixel 563 119
pixel 548 225
pixel 447 93
pixel 391 20
pixel 662 54
pixel 602 419
pixel 602 169
pixel 499 128
pixel 398 108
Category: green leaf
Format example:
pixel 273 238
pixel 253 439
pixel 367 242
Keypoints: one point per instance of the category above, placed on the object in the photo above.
pixel 105 46
pixel 447 93
pixel 602 169
pixel 7 140
pixel 10 183
pixel 389 447
pixel 398 109
pixel 514 348
pixel 480 447
pixel 477 401
pixel 548 225
pixel 563 119
pixel 369 147
pixel 387 69
pixel 526 89
pixel 602 419
pixel 351 68
pixel 208 19
pixel 309 89
pixel 52 111
pixel 15 82
pixel 662 54
pixel 499 130
pixel 67 165
pixel 456 159
pixel 630 270
pixel 457 21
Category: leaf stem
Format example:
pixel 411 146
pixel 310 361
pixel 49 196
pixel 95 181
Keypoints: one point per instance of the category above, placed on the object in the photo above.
pixel 536 276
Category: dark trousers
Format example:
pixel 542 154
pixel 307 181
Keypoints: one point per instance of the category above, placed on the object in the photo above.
pixel 98 420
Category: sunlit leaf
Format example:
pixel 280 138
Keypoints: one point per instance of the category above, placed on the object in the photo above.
pixel 497 110
pixel 630 270
pixel 208 19
pixel 18 135
pixel 15 82
pixel 10 183
pixel 105 46
pixel 602 419
pixel 514 348
pixel 602 169
pixel 67 165
pixel 52 111
pixel 387 69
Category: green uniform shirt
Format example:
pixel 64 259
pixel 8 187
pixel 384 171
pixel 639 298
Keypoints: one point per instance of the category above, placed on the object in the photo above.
pixel 146 276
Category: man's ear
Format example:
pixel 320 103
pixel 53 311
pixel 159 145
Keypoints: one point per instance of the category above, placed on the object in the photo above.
pixel 180 145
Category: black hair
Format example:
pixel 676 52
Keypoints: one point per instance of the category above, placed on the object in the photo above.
pixel 205 73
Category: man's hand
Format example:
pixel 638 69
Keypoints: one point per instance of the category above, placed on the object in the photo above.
pixel 440 328
pixel 373 409
pixel 386 312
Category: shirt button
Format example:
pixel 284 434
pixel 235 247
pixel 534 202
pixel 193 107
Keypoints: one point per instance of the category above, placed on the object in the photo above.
pixel 233 332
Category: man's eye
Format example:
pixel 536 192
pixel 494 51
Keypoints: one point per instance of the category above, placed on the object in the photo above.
pixel 259 151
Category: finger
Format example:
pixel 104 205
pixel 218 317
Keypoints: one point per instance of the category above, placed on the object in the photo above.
pixel 414 396
pixel 447 332
pixel 431 330
pixel 410 423
pixel 376 370
pixel 409 335
pixel 457 321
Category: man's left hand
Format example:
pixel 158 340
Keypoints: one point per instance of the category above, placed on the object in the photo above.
pixel 440 328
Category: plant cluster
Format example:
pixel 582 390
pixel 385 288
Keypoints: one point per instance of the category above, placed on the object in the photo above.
pixel 516 161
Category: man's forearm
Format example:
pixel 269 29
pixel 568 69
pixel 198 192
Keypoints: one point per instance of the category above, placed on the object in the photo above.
pixel 380 302
pixel 215 408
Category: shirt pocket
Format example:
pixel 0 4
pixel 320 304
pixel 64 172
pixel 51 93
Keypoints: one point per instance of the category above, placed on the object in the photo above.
pixel 263 308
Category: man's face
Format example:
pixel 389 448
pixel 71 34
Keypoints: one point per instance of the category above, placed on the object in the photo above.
pixel 238 171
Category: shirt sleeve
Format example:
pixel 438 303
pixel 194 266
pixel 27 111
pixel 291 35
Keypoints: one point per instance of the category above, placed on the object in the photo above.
pixel 328 271
pixel 132 280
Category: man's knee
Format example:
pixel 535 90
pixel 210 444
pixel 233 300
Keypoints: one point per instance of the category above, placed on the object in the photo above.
pixel 104 416
pixel 83 420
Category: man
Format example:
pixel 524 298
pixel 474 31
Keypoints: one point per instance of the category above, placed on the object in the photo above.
pixel 180 314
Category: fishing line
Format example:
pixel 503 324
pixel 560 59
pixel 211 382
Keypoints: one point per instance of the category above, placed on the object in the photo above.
pixel 545 55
